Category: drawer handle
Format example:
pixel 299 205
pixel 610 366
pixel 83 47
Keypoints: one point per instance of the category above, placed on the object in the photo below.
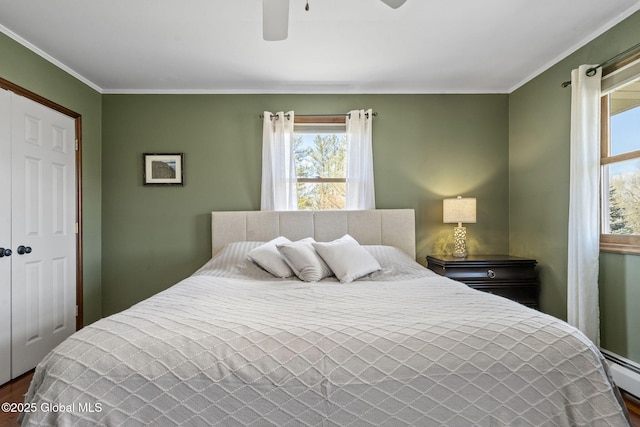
pixel 491 274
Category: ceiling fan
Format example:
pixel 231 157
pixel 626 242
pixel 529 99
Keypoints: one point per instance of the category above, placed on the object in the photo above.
pixel 275 17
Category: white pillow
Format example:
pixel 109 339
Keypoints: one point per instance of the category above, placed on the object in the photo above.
pixel 268 257
pixel 303 259
pixel 348 260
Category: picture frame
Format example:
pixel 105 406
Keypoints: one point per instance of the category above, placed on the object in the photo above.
pixel 163 168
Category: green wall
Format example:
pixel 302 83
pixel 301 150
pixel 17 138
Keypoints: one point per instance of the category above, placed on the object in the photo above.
pixel 426 147
pixel 24 68
pixel 539 123
pixel 620 303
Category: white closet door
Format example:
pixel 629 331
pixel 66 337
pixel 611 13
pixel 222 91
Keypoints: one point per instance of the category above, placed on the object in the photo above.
pixel 43 228
pixel 5 236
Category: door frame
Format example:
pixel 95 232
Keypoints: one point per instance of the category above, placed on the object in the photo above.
pixel 18 90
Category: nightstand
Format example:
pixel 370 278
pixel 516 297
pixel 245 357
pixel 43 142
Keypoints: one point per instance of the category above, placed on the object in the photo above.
pixel 508 276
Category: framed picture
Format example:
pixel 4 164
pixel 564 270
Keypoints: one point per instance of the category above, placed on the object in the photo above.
pixel 163 169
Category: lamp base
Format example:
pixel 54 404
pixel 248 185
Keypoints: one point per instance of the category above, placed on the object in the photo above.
pixel 460 242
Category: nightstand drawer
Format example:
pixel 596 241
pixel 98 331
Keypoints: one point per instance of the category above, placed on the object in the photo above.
pixel 527 295
pixel 523 273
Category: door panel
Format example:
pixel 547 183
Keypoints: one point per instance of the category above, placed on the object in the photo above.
pixel 60 294
pixel 59 196
pixel 5 236
pixel 43 220
pixel 33 291
pixel 31 213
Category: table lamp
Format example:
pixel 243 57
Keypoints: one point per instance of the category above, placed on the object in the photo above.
pixel 459 210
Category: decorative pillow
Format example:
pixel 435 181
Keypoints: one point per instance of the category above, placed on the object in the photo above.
pixel 348 260
pixel 268 257
pixel 303 259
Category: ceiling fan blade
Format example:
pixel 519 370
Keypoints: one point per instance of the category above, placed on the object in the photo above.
pixel 394 3
pixel 275 19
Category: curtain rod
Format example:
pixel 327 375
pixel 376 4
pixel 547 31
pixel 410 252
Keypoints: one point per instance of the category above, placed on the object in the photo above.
pixel 374 114
pixel 592 71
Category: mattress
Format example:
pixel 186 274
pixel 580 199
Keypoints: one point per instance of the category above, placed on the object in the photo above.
pixel 233 346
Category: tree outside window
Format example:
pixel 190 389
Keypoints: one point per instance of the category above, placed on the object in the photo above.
pixel 320 161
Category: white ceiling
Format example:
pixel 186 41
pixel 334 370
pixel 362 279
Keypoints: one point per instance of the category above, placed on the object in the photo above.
pixel 339 46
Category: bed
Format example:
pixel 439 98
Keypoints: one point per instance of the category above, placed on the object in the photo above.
pixel 233 345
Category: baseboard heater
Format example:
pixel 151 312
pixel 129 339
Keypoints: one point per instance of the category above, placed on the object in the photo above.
pixel 625 372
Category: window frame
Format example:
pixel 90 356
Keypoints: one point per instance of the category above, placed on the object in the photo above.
pixel 616 243
pixel 311 120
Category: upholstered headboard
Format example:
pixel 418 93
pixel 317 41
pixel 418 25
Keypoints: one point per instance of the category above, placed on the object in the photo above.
pixel 392 227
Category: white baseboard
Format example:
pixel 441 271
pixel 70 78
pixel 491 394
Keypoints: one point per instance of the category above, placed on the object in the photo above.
pixel 625 372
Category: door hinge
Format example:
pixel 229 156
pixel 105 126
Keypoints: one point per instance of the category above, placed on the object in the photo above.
pixel 76 145
pixel 77 310
pixel 77 228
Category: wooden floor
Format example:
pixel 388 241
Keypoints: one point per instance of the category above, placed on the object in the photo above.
pixel 633 405
pixel 15 390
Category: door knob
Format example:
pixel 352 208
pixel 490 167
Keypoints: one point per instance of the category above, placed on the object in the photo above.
pixel 24 250
pixel 5 252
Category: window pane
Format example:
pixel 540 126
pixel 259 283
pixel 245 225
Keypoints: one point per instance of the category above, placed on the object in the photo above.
pixel 321 155
pixel 623 205
pixel 322 195
pixel 625 119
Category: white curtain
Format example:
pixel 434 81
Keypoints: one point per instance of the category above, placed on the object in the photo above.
pixel 360 192
pixel 279 191
pixel 584 188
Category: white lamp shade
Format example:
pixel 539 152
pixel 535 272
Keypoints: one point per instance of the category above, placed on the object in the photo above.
pixel 459 210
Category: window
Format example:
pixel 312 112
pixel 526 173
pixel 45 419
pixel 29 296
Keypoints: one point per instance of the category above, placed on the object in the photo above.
pixel 317 162
pixel 620 167
pixel 320 152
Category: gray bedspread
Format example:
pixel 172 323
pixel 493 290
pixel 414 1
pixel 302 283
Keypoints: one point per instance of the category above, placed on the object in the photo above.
pixel 232 351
